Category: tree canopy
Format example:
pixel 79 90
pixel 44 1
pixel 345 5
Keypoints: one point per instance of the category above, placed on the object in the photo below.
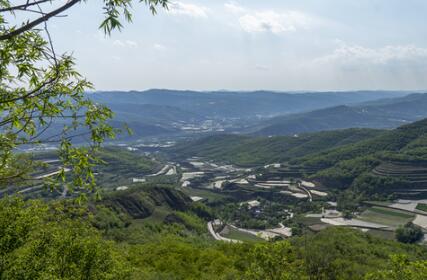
pixel 40 87
pixel 409 233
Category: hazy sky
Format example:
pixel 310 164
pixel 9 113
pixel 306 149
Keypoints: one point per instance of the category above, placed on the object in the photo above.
pixel 254 44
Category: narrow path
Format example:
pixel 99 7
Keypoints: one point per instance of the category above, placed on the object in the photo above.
pixel 161 172
pixel 307 191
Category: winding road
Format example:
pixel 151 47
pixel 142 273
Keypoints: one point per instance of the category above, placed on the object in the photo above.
pixel 218 237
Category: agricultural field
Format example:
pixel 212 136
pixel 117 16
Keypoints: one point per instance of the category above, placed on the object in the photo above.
pixel 232 233
pixel 421 220
pixel 386 216
pixel 408 205
pixel 421 207
pixel 414 172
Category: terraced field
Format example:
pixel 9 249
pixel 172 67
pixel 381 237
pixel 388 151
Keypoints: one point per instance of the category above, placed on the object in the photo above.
pixel 386 216
pixel 292 171
pixel 415 173
pixel 408 205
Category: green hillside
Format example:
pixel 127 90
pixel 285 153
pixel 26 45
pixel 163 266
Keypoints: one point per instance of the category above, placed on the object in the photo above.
pixel 141 202
pixel 407 141
pixel 370 161
pixel 393 160
pixel 42 241
pixel 245 150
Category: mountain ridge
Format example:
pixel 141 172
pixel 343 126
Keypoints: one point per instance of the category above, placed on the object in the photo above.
pixel 382 114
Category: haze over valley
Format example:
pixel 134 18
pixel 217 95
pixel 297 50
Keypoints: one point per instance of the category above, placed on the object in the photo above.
pixel 186 113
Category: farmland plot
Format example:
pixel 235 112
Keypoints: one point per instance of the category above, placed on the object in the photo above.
pixel 421 221
pixel 386 216
pixel 409 205
pixel 233 233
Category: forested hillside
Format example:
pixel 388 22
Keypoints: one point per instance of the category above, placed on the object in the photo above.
pixel 246 150
pixel 41 240
pixel 371 161
pixel 393 161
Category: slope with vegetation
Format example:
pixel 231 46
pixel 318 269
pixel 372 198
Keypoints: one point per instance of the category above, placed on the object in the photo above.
pixel 120 166
pixel 370 161
pixel 246 150
pixel 394 160
pixel 63 240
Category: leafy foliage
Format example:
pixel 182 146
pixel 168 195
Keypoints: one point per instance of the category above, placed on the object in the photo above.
pixel 409 233
pixel 401 268
pixel 40 242
pixel 57 240
pixel 39 87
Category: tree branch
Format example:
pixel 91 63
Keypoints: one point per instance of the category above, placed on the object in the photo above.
pixel 38 21
pixel 33 92
pixel 23 7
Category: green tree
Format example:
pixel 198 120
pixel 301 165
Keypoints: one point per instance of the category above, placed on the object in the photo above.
pixel 401 269
pixel 409 233
pixel 38 241
pixel 274 261
pixel 39 87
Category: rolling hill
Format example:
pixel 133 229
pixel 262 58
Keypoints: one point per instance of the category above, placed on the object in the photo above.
pixel 394 161
pixel 383 114
pixel 365 160
pixel 405 142
pixel 247 150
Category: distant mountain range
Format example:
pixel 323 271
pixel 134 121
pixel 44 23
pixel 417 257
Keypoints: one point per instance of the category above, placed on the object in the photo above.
pixel 226 104
pixel 169 112
pixel 383 113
